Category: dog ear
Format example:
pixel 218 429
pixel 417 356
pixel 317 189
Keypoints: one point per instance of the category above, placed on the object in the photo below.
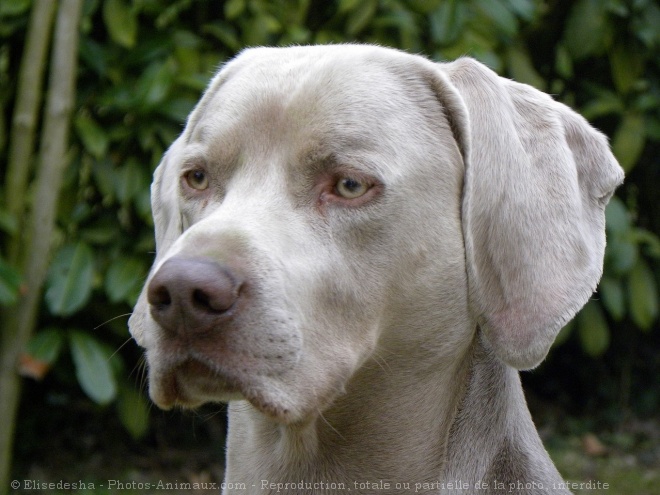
pixel 168 226
pixel 168 222
pixel 537 179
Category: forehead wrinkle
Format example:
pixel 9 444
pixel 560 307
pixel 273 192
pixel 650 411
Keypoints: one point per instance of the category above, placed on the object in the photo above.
pixel 340 140
pixel 332 117
pixel 335 152
pixel 271 106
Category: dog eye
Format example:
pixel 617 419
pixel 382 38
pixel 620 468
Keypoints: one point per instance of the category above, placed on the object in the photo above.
pixel 197 179
pixel 351 188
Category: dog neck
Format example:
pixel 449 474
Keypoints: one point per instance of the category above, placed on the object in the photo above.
pixel 440 429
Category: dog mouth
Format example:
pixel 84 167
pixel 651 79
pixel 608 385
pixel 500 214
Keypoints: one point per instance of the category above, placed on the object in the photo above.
pixel 237 362
pixel 189 385
pixel 193 382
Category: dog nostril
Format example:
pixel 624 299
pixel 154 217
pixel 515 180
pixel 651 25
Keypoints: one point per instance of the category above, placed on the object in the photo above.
pixel 160 297
pixel 201 298
pixel 215 299
pixel 192 295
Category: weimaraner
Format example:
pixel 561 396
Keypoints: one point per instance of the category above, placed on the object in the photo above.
pixel 358 249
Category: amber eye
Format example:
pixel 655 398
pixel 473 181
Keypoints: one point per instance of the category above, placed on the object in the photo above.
pixel 197 179
pixel 350 188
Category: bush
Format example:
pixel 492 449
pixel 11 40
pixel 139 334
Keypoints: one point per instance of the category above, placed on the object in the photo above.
pixel 144 64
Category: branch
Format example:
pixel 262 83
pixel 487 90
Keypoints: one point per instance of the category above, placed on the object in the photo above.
pixel 18 324
pixel 51 164
pixel 24 122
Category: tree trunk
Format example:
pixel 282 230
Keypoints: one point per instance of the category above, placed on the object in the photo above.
pixel 18 324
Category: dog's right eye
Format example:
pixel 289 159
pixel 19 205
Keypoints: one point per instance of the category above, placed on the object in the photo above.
pixel 350 188
pixel 197 179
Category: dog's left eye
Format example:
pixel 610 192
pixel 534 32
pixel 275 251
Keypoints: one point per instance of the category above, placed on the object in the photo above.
pixel 197 179
pixel 351 188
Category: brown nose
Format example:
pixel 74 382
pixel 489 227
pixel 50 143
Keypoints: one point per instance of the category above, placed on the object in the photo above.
pixel 189 295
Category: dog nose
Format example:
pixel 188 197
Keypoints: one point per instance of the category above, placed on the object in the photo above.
pixel 192 295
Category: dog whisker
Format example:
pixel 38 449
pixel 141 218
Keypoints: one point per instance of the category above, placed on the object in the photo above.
pixel 112 319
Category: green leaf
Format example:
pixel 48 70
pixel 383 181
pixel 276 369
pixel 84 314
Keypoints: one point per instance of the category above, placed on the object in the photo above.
pixel 629 140
pixel 564 333
pixel 593 330
pixel 586 28
pixel 617 218
pixel 627 66
pixel 103 231
pixel 522 69
pixel 448 21
pixel 92 135
pixel 225 33
pixel 234 8
pixel 645 26
pixel 650 241
pixel 620 255
pixel 614 299
pixel 121 22
pixel 154 84
pixel 130 180
pixel 258 30
pixel 500 15
pixel 325 37
pixel 105 178
pixel 360 17
pixel 526 9
pixel 70 278
pixel 643 293
pixel 94 55
pixel 425 6
pixel 607 102
pixel 45 345
pixel 646 102
pixel 123 276
pixel 10 283
pixel 348 5
pixel 143 206
pixel 563 62
pixel 297 35
pixel 93 370
pixel 196 82
pixel 133 411
pixel 8 222
pixel 178 109
pixel 14 7
pixel 653 128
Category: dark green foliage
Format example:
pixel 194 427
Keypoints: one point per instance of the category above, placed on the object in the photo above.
pixel 144 64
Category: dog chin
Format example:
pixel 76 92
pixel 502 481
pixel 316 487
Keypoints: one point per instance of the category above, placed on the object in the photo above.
pixel 192 384
pixel 189 385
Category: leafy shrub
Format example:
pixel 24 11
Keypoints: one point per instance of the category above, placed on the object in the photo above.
pixel 144 64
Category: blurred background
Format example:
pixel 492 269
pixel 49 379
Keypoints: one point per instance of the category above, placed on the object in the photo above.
pixel 92 92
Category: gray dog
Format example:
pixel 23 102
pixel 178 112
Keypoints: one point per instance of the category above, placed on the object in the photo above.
pixel 358 248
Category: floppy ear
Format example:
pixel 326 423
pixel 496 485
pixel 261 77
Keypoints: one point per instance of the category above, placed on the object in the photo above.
pixel 537 179
pixel 168 221
pixel 168 226
pixel 164 202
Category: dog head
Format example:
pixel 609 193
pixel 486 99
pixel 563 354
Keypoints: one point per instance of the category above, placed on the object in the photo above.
pixel 323 202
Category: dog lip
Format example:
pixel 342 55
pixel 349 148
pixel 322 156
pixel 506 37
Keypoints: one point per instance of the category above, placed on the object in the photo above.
pixel 189 384
pixel 165 392
pixel 196 376
pixel 192 383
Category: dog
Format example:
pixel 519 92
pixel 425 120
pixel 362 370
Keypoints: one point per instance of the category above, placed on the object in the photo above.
pixel 358 249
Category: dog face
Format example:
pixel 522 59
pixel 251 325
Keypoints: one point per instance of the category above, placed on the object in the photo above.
pixel 313 213
pixel 320 195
